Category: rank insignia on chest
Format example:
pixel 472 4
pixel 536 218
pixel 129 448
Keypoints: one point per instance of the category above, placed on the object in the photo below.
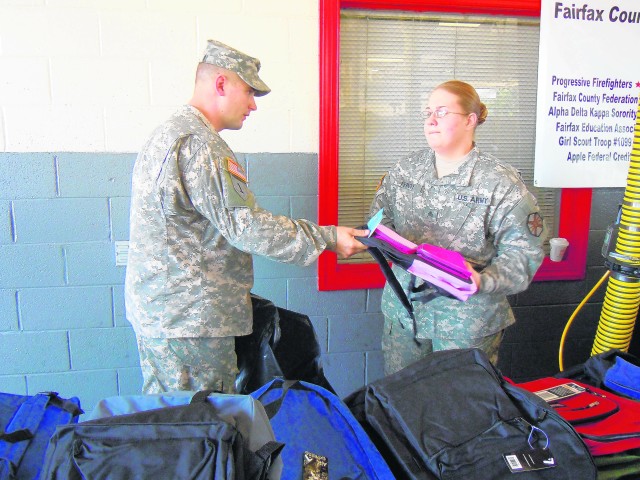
pixel 535 224
pixel 235 169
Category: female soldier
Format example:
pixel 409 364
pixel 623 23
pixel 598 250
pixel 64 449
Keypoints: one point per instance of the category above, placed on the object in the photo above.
pixel 455 196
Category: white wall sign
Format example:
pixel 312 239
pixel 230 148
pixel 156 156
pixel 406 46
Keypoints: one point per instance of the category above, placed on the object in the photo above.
pixel 588 85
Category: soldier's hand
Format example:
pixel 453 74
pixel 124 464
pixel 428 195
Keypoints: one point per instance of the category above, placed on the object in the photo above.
pixel 475 276
pixel 346 244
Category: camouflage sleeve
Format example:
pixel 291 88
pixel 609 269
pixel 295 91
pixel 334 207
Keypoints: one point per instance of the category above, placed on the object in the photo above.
pixel 218 189
pixel 382 201
pixel 519 253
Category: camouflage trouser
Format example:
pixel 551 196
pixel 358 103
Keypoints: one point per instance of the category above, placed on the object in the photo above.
pixel 170 364
pixel 400 349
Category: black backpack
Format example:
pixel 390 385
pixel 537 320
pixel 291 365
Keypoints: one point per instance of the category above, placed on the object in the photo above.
pixel 452 415
pixel 179 442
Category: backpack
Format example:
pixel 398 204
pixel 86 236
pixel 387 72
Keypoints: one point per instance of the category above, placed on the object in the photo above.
pixel 612 370
pixel 26 423
pixel 179 442
pixel 452 415
pixel 322 438
pixel 608 423
pixel 283 344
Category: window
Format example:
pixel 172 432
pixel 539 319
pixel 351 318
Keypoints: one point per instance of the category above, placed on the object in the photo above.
pixel 388 61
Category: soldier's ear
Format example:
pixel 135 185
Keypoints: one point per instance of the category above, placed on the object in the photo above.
pixel 472 120
pixel 220 84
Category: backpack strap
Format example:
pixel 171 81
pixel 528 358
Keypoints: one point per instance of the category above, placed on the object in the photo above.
pixel 29 416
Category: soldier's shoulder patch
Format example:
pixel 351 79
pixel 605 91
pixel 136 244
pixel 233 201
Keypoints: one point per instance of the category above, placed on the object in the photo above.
pixel 535 224
pixel 235 169
pixel 380 182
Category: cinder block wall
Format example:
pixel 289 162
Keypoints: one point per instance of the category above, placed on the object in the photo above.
pixel 62 324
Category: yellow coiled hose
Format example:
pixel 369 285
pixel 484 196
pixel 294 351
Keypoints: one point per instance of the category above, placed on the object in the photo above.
pixel 622 299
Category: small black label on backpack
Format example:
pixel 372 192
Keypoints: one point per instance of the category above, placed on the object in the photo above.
pixel 531 459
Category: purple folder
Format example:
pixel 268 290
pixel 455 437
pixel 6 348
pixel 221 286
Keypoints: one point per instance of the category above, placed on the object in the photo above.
pixel 439 266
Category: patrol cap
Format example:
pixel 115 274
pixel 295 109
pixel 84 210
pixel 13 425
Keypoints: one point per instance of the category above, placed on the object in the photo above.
pixel 217 53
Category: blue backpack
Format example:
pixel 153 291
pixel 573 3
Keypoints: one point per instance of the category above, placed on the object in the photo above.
pixel 320 434
pixel 26 424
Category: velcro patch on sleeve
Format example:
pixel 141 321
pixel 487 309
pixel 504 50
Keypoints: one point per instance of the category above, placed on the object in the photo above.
pixel 234 169
pixel 535 224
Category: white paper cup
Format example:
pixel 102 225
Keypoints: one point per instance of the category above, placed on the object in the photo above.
pixel 558 247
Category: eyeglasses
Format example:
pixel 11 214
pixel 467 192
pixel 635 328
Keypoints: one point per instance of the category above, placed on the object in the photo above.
pixel 439 112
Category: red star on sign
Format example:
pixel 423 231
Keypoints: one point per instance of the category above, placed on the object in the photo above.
pixel 638 84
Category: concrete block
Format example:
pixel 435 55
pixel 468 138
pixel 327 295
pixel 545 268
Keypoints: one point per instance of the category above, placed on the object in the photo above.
pixel 34 352
pixel 114 347
pixel 3 142
pixel 374 366
pixel 82 33
pixel 277 205
pixel 148 34
pixel 304 297
pixel 119 315
pixel 534 360
pixel 31 266
pixel 27 175
pixel 604 207
pixel 25 81
pixel 95 174
pixel 537 324
pixel 321 327
pixel 93 264
pixel 8 311
pixel 258 134
pixel 345 371
pixel 283 9
pixel 18 41
pixel 273 173
pixel 355 333
pixel 6 222
pixel 274 289
pixel 15 384
pixel 173 89
pixel 374 299
pixel 562 292
pixel 61 220
pixel 201 7
pixel 127 127
pixel 89 386
pixel 305 207
pixel 267 268
pixel 65 308
pixel 98 81
pixel 129 381
pixel 119 213
pixel 76 128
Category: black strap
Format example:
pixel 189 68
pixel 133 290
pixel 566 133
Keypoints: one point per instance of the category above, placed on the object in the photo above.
pixel 31 413
pixel 274 407
pixel 64 404
pixel 17 435
pixel 201 396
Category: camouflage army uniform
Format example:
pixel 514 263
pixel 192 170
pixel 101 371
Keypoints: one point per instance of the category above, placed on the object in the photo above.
pixel 483 211
pixel 193 229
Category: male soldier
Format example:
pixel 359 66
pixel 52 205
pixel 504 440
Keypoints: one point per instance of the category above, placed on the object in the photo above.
pixel 194 227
